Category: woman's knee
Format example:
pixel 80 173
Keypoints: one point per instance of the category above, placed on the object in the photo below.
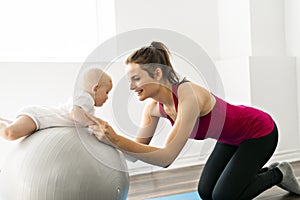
pixel 222 193
pixel 219 192
pixel 204 192
pixel 219 195
pixel 208 194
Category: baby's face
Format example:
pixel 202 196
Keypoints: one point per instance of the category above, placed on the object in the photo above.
pixel 101 93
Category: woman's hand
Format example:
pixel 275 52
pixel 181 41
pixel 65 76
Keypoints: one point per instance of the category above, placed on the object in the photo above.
pixel 153 155
pixel 103 131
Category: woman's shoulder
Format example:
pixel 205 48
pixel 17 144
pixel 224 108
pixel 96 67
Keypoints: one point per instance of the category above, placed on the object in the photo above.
pixel 194 93
pixel 190 88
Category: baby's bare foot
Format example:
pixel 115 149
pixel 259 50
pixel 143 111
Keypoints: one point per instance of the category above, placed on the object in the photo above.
pixel 5 120
pixel 3 124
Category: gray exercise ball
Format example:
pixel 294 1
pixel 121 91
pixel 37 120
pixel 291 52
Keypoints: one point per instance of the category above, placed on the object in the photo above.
pixel 54 164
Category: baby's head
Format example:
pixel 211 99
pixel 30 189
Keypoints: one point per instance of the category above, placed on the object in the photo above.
pixel 98 84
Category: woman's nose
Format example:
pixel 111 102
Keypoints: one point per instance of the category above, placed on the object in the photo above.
pixel 132 86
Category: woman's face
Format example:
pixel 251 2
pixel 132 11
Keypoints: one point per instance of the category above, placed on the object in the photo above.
pixel 141 82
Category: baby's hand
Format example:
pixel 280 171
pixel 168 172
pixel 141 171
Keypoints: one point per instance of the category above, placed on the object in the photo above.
pixel 97 121
pixel 102 130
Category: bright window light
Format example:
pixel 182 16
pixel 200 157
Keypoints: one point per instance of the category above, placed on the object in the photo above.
pixel 45 30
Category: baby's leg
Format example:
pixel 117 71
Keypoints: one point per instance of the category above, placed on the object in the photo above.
pixel 5 120
pixel 3 125
pixel 21 127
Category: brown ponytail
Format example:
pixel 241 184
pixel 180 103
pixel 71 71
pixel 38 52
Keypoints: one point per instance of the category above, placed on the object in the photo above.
pixel 153 56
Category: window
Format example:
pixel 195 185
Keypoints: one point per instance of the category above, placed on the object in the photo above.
pixel 50 30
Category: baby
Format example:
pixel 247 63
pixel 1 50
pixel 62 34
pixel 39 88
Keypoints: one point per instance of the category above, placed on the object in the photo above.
pixel 94 88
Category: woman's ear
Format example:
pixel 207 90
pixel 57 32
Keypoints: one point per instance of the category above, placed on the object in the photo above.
pixel 158 74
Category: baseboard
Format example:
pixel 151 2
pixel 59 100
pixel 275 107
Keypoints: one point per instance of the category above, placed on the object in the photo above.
pixel 196 159
pixel 288 155
pixel 184 161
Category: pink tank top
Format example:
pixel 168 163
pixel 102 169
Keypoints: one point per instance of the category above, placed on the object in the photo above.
pixel 231 124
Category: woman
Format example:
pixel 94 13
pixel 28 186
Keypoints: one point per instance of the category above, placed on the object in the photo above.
pixel 246 137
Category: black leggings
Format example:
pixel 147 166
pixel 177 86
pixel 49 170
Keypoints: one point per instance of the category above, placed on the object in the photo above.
pixel 235 172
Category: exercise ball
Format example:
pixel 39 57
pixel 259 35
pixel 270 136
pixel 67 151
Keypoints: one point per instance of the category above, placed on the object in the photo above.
pixel 54 164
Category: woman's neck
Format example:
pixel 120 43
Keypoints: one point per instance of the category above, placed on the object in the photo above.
pixel 165 95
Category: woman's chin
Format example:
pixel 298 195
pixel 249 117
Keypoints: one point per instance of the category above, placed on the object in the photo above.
pixel 141 98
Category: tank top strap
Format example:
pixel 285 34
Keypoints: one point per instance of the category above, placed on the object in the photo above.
pixel 164 114
pixel 175 93
pixel 175 99
pixel 162 110
pixel 175 86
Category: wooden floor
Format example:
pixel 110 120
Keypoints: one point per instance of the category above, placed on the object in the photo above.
pixel 183 180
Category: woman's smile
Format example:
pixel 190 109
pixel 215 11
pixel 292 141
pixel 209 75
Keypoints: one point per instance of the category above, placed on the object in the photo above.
pixel 139 92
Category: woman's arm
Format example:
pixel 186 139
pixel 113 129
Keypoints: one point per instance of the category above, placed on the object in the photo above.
pixel 188 112
pixel 149 123
pixel 148 126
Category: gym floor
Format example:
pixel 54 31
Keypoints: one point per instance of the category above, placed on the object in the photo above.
pixel 184 180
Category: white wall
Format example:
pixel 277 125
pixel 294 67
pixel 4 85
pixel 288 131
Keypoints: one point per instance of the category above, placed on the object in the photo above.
pixel 23 83
pixel 267 27
pixel 196 19
pixel 292 27
pixel 236 79
pixel 234 29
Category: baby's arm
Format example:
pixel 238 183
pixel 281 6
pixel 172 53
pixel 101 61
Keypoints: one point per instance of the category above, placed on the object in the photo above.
pixel 79 115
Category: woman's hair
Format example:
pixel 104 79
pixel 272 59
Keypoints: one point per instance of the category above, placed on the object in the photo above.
pixel 151 57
